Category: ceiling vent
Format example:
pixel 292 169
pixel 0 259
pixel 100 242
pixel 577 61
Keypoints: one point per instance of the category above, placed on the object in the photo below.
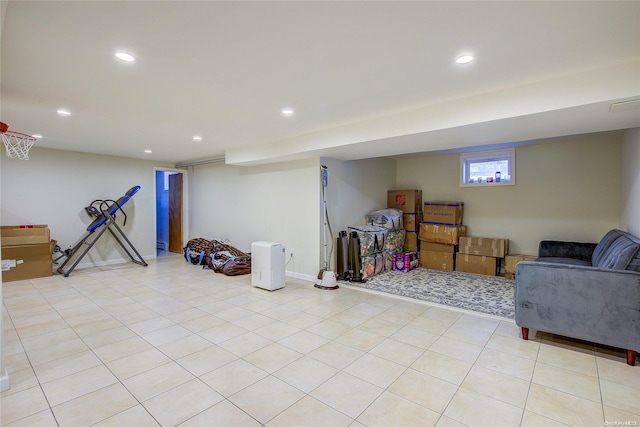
pixel 620 107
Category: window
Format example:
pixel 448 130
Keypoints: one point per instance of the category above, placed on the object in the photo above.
pixel 488 168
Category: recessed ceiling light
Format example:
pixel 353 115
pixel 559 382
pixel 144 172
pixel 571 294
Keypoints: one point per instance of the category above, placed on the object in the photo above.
pixel 148 151
pixel 197 138
pixel 37 136
pixel 464 59
pixel 123 56
pixel 63 112
pixel 287 111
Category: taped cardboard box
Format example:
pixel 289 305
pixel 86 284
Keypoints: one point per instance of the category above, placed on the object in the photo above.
pixel 411 220
pixel 443 212
pixel 12 235
pixel 510 262
pixel 405 200
pixel 444 261
pixel 484 246
pixel 22 262
pixel 485 265
pixel 439 247
pixel 438 233
pixel 411 242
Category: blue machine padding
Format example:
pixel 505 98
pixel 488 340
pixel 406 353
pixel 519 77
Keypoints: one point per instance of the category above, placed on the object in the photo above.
pixel 99 221
pixel 132 191
pixel 105 221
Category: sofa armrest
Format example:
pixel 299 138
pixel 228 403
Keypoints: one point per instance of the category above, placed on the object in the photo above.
pixel 583 302
pixel 559 249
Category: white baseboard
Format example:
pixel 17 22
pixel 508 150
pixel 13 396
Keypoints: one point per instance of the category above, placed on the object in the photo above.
pixel 305 277
pixel 111 262
pixel 4 382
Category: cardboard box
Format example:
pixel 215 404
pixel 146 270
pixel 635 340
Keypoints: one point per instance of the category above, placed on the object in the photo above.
pixel 438 233
pixel 484 246
pixel 443 212
pixel 439 247
pixel 405 262
pixel 477 264
pixel 24 262
pixel 510 262
pixel 405 200
pixel 444 261
pixel 411 221
pixel 411 242
pixel 12 235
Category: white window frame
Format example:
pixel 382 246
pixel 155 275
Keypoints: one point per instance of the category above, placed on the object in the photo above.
pixel 467 158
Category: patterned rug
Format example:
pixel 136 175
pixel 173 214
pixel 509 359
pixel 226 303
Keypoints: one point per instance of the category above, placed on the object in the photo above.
pixel 484 294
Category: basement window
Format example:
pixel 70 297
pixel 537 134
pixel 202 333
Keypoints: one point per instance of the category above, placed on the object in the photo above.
pixel 488 168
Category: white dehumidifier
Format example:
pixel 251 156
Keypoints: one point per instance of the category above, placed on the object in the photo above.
pixel 267 265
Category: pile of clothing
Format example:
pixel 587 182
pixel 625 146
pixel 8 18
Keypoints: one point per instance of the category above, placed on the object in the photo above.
pixel 219 256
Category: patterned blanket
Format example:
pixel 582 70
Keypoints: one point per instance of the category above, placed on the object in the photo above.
pixel 219 256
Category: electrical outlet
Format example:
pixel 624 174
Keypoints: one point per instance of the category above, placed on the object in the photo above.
pixel 291 252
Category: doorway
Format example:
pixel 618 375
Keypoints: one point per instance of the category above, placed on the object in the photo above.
pixel 169 212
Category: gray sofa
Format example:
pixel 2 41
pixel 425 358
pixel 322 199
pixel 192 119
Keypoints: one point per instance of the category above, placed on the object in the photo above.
pixel 586 291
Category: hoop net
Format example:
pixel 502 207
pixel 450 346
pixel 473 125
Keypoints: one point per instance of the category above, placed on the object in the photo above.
pixel 17 144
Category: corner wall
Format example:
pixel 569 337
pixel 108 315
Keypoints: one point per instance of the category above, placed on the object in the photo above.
pixel 54 186
pixel 355 188
pixel 275 203
pixel 630 200
pixel 566 189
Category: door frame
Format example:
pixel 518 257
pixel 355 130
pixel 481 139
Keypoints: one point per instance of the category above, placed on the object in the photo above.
pixel 185 203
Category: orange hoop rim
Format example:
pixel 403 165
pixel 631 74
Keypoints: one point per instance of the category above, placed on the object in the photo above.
pixel 4 130
pixel 19 135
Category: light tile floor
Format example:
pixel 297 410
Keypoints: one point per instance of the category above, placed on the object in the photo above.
pixel 173 344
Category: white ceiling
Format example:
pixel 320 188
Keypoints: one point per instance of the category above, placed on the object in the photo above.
pixel 366 79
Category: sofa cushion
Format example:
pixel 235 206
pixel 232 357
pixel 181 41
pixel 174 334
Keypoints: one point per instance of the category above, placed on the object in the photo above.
pixel 620 254
pixel 557 248
pixel 603 246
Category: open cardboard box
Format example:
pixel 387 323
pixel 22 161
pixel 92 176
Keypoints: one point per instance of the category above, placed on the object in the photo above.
pixel 26 252
pixel 12 235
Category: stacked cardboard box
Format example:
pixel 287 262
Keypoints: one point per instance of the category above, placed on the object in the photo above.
pixel 438 256
pixel 410 203
pixel 405 200
pixel 411 222
pixel 26 252
pixel 510 262
pixel 443 212
pixel 481 255
pixel 439 234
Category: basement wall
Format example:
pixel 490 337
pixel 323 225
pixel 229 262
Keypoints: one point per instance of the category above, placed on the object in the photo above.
pixel 566 189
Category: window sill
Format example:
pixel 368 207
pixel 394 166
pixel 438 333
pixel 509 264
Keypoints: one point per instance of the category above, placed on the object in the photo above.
pixel 488 184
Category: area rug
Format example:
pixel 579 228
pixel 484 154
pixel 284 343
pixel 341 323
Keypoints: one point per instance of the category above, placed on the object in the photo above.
pixel 483 294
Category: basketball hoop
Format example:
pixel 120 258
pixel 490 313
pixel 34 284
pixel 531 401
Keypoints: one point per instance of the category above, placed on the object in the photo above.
pixel 16 143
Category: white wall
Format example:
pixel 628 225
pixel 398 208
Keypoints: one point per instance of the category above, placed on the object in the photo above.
pixel 630 206
pixel 276 203
pixel 567 189
pixel 54 186
pixel 355 188
pixel 282 202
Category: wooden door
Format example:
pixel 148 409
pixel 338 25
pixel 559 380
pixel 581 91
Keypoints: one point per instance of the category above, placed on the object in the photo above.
pixel 175 213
